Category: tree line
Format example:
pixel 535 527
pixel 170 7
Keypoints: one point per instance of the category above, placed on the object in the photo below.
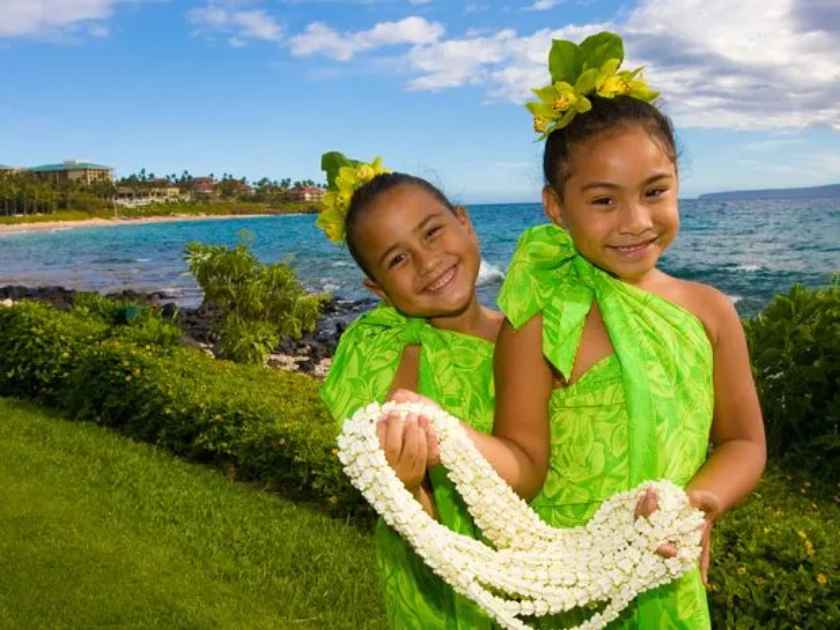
pixel 23 192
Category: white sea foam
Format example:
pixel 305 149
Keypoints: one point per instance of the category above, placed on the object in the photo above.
pixel 735 298
pixel 142 260
pixel 329 286
pixel 341 263
pixel 748 267
pixel 488 274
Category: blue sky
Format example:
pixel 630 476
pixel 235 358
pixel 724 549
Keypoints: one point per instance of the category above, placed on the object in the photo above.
pixel 262 88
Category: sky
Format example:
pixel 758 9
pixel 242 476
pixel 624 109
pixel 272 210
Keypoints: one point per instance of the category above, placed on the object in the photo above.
pixel 263 88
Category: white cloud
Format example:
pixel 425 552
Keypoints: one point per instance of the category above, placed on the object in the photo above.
pixel 241 24
pixel 544 5
pixel 754 64
pixel 320 38
pixel 50 17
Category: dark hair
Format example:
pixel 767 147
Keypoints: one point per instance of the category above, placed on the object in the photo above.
pixel 365 195
pixel 606 114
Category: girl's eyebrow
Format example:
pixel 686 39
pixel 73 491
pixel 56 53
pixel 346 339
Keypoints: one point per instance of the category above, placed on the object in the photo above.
pixel 418 228
pixel 423 223
pixel 649 180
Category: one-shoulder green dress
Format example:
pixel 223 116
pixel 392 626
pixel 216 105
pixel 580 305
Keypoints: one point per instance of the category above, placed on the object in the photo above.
pixel 456 370
pixel 642 413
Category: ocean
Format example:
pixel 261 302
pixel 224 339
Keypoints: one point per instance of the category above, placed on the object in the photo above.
pixel 750 250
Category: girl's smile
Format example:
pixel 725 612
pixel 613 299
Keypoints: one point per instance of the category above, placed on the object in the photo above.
pixel 619 202
pixel 423 257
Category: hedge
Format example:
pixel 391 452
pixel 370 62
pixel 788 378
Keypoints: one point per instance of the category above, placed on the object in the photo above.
pixel 775 559
pixel 795 350
pixel 263 424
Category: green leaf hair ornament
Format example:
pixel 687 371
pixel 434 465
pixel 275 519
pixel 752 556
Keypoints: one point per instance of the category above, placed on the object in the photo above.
pixel 344 176
pixel 579 71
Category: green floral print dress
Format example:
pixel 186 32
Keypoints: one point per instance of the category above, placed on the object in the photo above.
pixel 642 413
pixel 456 370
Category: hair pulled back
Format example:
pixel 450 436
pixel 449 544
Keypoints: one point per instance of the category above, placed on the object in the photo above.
pixel 364 196
pixel 606 114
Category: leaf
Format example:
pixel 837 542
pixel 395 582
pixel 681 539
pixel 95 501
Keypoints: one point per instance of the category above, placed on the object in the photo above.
pixel 564 61
pixel 331 163
pixel 597 49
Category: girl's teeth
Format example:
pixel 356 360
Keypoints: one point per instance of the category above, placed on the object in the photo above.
pixel 442 282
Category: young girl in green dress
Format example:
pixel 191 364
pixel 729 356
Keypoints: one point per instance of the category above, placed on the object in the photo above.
pixel 622 371
pixel 632 370
pixel 420 255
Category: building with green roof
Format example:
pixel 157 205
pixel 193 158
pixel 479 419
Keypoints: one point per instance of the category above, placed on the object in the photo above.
pixel 73 170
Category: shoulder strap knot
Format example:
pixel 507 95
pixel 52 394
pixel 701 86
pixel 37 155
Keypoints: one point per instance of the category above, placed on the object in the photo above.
pixel 547 276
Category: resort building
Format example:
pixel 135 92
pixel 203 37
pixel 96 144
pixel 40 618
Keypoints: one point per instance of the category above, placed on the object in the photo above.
pixel 72 170
pixel 150 192
pixel 203 187
pixel 306 193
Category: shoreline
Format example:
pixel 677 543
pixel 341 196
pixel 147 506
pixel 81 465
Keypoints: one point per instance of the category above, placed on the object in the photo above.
pixel 13 228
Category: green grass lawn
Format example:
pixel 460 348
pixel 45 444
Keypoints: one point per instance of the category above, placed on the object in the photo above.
pixel 98 531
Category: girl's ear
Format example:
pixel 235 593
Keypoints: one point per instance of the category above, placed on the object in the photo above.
pixel 376 289
pixel 553 206
pixel 463 218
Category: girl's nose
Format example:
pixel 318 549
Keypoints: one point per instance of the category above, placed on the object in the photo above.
pixel 426 260
pixel 635 219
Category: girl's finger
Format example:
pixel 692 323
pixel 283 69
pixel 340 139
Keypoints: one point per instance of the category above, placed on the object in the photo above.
pixel 667 550
pixel 432 446
pixel 647 505
pixel 414 452
pixel 394 439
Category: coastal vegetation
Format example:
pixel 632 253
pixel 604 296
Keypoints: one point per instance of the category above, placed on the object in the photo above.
pixel 27 198
pixel 258 304
pixel 775 559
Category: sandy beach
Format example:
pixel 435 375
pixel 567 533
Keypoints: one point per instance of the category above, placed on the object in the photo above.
pixel 53 225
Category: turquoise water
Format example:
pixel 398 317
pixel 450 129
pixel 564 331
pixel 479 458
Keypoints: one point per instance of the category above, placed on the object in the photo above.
pixel 749 249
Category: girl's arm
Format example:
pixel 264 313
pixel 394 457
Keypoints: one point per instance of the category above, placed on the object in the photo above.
pixel 519 448
pixel 739 451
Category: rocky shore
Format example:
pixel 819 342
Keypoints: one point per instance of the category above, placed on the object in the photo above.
pixel 310 354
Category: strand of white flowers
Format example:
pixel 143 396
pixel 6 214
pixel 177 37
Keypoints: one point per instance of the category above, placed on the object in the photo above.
pixel 541 569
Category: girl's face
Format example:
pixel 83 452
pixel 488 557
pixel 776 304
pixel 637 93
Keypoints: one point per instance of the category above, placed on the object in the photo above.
pixel 619 202
pixel 423 257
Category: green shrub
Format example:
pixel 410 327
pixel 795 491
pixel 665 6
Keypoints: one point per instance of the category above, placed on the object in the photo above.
pixel 139 323
pixel 776 559
pixel 261 304
pixel 39 348
pixel 263 424
pixel 795 349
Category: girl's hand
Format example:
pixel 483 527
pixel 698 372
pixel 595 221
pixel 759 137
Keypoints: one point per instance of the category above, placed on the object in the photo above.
pixel 432 449
pixel 647 505
pixel 405 444
pixel 709 503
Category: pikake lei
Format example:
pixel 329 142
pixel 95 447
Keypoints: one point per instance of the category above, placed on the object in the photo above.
pixel 531 568
pixel 579 71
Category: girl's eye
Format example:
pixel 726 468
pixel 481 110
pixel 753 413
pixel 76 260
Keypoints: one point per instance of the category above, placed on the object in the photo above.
pixel 656 192
pixel 434 230
pixel 396 260
pixel 602 201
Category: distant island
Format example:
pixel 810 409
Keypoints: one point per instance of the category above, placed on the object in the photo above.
pixel 813 192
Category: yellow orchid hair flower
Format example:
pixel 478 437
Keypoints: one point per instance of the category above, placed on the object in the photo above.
pixel 344 177
pixel 579 71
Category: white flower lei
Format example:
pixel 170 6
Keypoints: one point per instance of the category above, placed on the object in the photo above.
pixel 534 569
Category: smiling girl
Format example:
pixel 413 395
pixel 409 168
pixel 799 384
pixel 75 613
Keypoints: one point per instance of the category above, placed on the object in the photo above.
pixel 630 370
pixel 420 255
